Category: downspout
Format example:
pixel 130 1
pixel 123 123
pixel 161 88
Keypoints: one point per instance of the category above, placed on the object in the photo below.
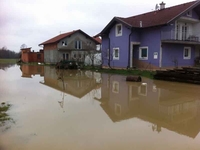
pixel 109 52
pixel 161 51
pixel 129 43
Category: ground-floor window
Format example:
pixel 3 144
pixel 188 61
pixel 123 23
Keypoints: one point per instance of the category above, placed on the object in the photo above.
pixel 143 53
pixel 65 56
pixel 116 53
pixel 187 53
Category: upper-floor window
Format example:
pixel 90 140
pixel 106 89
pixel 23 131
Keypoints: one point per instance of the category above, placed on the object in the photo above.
pixel 64 43
pixel 189 13
pixel 118 30
pixel 116 53
pixel 78 44
pixel 187 53
pixel 143 53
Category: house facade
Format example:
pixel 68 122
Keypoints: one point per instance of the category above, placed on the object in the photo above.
pixel 28 56
pixel 166 37
pixel 71 46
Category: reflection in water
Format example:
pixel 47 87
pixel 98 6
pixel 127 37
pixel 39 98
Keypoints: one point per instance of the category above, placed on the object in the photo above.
pixel 173 108
pixel 5 66
pixel 103 111
pixel 29 70
pixel 73 82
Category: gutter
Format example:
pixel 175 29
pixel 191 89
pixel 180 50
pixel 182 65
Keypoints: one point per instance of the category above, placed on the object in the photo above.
pixel 109 51
pixel 129 42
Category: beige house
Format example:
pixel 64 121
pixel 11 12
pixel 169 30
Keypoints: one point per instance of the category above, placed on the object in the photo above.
pixel 70 46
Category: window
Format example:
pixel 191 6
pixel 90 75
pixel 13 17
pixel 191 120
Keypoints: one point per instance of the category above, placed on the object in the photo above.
pixel 189 13
pixel 187 53
pixel 64 43
pixel 65 56
pixel 143 53
pixel 142 90
pixel 116 53
pixel 115 87
pixel 78 44
pixel 118 30
pixel 118 109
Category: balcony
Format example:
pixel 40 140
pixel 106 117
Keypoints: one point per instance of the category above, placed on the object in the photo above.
pixel 180 37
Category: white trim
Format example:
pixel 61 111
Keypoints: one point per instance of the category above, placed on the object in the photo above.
pixel 116 58
pixel 140 53
pixel 115 87
pixel 189 53
pixel 118 108
pixel 140 92
pixel 116 30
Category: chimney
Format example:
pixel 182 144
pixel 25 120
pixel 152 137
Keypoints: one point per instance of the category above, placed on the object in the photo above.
pixel 162 5
pixel 140 24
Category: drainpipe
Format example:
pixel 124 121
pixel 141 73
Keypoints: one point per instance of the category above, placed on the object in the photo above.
pixel 129 42
pixel 109 51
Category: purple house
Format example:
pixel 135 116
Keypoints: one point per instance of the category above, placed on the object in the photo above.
pixel 166 37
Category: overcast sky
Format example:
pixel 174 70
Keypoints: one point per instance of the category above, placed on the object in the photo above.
pixel 32 22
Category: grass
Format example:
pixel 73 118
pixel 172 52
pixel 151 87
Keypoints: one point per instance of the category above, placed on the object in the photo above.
pixel 13 61
pixel 134 72
pixel 3 115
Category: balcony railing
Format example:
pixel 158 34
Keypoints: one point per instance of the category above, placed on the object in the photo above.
pixel 179 36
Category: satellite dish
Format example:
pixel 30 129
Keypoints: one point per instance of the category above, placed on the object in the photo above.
pixel 156 7
pixel 23 46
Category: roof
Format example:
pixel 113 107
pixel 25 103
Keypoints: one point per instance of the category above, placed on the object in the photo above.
pixel 64 35
pixel 155 18
pixel 97 39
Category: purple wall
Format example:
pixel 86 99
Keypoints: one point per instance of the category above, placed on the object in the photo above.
pixel 123 43
pixel 105 47
pixel 149 38
pixel 194 15
pixel 175 51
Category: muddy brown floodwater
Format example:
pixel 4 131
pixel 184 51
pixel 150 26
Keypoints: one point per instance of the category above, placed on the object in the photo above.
pixel 84 110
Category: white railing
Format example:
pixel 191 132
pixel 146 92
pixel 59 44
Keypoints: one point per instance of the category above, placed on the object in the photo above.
pixel 179 35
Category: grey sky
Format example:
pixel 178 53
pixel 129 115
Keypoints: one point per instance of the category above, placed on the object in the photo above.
pixel 32 22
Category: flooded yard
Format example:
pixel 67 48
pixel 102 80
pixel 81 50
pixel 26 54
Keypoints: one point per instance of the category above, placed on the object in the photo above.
pixel 84 110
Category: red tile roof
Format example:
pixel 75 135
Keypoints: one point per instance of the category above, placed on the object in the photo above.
pixel 59 37
pixel 154 18
pixel 64 35
pixel 158 17
pixel 97 39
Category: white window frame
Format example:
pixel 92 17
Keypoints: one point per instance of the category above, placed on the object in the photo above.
pixel 140 92
pixel 117 31
pixel 114 49
pixel 118 106
pixel 64 43
pixel 115 87
pixel 189 53
pixel 78 44
pixel 140 53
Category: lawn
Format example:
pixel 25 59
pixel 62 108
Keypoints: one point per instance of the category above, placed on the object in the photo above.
pixel 13 61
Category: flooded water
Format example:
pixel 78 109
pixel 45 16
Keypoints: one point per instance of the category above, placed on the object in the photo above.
pixel 83 110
